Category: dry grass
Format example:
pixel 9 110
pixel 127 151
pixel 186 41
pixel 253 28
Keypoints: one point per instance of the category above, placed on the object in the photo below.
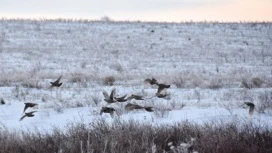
pixel 265 102
pixel 109 80
pixel 131 136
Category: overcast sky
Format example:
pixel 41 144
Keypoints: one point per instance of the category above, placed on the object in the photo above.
pixel 145 10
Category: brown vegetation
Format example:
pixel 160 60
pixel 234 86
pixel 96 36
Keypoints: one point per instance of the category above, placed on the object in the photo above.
pixel 131 136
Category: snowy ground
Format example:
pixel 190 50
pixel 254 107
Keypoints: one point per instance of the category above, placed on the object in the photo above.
pixel 203 62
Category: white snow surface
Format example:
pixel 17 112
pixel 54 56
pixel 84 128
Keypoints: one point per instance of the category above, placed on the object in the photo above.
pixel 196 56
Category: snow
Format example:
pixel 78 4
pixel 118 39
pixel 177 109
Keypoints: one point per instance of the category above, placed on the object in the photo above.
pixel 37 52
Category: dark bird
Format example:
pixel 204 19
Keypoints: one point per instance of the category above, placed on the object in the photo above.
pixel 2 101
pixel 29 105
pixel 56 83
pixel 28 114
pixel 110 99
pixel 251 107
pixel 161 92
pixel 151 81
pixel 130 106
pixel 136 97
pixel 107 110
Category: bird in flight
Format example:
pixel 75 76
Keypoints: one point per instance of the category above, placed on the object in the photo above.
pixel 27 105
pixel 56 83
pixel 251 107
pixel 28 114
pixel 161 92
pixel 110 99
pixel 151 81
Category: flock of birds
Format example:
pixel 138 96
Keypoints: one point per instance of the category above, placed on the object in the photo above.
pixel 161 93
pixel 56 83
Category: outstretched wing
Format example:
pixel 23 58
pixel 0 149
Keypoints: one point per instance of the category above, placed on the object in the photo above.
pixel 26 106
pixel 121 99
pixel 162 87
pixel 111 114
pixel 151 81
pixel 22 117
pixel 251 110
pixel 106 95
pixel 154 81
pixel 102 110
pixel 160 90
pixel 58 80
pixel 112 93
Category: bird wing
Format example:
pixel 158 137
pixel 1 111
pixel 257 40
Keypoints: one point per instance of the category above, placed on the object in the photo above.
pixel 26 106
pixel 121 98
pixel 111 114
pixel 101 111
pixel 58 80
pixel 22 117
pixel 134 106
pixel 131 96
pixel 154 80
pixel 112 93
pixel 138 106
pixel 136 96
pixel 160 89
pixel 128 106
pixel 106 95
pixel 251 109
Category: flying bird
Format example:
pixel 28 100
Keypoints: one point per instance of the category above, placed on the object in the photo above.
pixel 161 92
pixel 56 83
pixel 28 114
pixel 29 105
pixel 110 99
pixel 151 81
pixel 107 110
pixel 2 101
pixel 251 107
pixel 130 106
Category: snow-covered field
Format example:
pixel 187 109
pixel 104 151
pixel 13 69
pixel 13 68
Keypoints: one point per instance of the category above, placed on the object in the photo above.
pixel 204 63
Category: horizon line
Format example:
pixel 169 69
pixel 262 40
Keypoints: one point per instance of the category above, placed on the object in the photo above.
pixel 109 19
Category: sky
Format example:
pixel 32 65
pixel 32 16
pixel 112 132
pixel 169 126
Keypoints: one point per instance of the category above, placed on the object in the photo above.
pixel 142 10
